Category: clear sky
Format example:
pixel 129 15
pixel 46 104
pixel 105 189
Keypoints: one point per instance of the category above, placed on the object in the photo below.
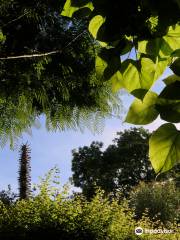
pixel 50 149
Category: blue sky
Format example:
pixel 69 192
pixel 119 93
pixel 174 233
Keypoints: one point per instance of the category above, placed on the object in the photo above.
pixel 50 148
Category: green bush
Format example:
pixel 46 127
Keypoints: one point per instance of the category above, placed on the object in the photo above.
pixel 160 201
pixel 7 196
pixel 52 214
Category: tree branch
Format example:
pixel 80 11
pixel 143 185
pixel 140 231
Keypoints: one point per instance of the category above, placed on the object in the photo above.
pixel 43 54
pixel 31 55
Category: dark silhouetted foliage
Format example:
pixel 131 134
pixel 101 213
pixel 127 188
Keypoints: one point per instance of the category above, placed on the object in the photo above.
pixel 120 167
pixel 24 172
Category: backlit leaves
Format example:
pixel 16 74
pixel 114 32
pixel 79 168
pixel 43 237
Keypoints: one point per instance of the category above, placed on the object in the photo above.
pixel 164 148
pixel 143 112
pixel 162 47
pixel 141 74
pixel 94 26
pixel 71 8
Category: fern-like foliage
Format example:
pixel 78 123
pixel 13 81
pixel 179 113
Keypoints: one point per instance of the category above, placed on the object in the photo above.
pixel 62 86
pixel 24 172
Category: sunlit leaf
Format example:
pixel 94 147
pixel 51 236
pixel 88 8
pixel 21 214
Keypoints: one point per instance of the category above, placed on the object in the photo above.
pixel 142 74
pixel 71 7
pixel 94 26
pixel 164 148
pixel 162 47
pixel 143 112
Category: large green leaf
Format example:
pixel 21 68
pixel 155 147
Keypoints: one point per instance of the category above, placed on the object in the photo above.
pixel 162 47
pixel 168 103
pixel 176 53
pixel 71 7
pixel 171 91
pixel 164 149
pixel 171 79
pixel 141 74
pixel 94 26
pixel 112 58
pixel 114 77
pixel 130 74
pixel 116 81
pixel 175 67
pixel 143 112
pixel 151 71
pixel 169 112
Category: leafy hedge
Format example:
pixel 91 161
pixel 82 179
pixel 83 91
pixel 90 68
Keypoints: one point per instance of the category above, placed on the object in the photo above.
pixel 52 214
pixel 161 201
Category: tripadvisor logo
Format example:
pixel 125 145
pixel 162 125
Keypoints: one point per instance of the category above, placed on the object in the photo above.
pixel 138 231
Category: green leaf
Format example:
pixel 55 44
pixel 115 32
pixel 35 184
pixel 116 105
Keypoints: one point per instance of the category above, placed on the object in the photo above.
pixel 175 67
pixel 169 112
pixel 113 76
pixel 171 79
pixel 112 58
pixel 143 112
pixel 130 74
pixel 171 91
pixel 139 93
pixel 164 148
pixel 162 47
pixel 176 53
pixel 151 71
pixel 100 65
pixel 94 26
pixel 168 103
pixel 116 81
pixel 82 12
pixel 71 7
pixel 2 37
pixel 141 74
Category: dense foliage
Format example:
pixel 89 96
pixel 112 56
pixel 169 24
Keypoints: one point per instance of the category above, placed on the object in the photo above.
pixel 47 67
pixel 52 214
pixel 7 197
pixel 118 168
pixel 160 201
pixel 152 30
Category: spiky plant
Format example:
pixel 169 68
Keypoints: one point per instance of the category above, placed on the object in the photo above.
pixel 24 172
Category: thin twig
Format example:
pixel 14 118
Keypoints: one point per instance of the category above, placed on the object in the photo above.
pixel 69 44
pixel 14 20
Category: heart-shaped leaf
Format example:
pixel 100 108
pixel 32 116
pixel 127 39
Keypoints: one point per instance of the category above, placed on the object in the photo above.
pixel 164 149
pixel 143 112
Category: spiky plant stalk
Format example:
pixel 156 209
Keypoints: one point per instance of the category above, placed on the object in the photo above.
pixel 24 172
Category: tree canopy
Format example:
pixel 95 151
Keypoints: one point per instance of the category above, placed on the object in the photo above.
pixel 119 167
pixel 47 67
pixel 152 30
pixel 49 59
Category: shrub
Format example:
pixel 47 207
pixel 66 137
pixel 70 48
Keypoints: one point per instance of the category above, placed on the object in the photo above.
pixel 52 214
pixel 159 199
pixel 7 196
